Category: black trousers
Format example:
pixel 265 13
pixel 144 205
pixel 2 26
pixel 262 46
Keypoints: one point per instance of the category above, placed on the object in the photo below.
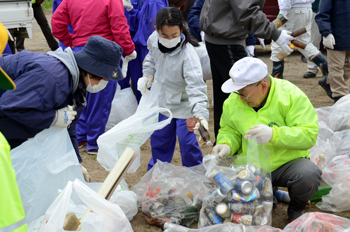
pixel 301 177
pixel 222 57
pixel 45 28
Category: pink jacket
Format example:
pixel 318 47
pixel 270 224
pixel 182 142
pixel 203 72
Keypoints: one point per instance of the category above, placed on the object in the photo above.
pixel 92 17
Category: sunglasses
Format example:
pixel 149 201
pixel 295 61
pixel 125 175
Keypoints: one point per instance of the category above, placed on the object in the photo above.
pixel 247 98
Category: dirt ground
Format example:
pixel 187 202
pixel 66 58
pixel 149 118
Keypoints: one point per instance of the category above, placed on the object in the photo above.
pixel 294 70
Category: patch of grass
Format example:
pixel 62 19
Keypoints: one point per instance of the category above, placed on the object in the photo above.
pixel 93 157
pixel 47 6
pixel 314 87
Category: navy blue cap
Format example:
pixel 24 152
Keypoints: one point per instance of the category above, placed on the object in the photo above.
pixel 101 57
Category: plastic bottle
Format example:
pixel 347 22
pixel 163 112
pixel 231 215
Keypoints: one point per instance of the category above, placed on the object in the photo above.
pixel 282 196
pixel 204 134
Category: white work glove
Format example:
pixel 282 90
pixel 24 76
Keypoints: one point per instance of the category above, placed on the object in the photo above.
pixel 222 150
pixel 284 41
pixel 202 36
pixel 126 60
pixel 251 49
pixel 261 133
pixel 329 41
pixel 144 83
pixel 127 4
pixel 262 42
pixel 64 117
pixel 204 124
pixel 85 173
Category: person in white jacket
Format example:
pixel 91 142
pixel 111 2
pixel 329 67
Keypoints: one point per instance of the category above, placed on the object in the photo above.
pixel 300 15
pixel 173 62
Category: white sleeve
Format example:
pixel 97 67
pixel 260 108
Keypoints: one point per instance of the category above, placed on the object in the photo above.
pixel 284 6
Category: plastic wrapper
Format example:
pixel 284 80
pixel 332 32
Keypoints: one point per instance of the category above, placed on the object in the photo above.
pixel 238 191
pixel 318 222
pixel 171 193
pixel 227 227
pixel 337 174
pixel 204 59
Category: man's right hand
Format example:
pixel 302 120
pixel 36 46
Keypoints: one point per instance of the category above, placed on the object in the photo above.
pixel 222 150
pixel 64 117
pixel 284 41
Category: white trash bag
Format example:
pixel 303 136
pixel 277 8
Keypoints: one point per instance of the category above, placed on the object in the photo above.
pixel 133 131
pixel 106 216
pixel 124 105
pixel 205 60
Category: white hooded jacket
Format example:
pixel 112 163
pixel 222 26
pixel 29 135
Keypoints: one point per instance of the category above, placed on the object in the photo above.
pixel 286 5
pixel 179 72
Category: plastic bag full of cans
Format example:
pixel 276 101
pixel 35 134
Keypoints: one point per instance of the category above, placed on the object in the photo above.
pixel 236 193
pixel 171 193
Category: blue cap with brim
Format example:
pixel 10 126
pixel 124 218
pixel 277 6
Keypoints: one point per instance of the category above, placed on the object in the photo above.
pixel 101 57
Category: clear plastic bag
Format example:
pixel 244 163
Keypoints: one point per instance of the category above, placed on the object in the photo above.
pixel 171 193
pixel 133 131
pixel 105 216
pixel 238 190
pixel 124 105
pixel 205 60
pixel 318 222
pixel 337 174
pixel 339 119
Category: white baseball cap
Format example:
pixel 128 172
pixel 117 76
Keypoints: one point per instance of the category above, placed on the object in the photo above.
pixel 246 71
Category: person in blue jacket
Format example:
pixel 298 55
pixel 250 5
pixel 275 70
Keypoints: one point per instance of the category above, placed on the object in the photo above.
pixel 333 20
pixel 47 84
pixel 145 20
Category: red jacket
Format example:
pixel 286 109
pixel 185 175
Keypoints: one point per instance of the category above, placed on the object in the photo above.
pixel 92 17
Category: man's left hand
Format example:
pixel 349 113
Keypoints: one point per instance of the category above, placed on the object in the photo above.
pixel 262 133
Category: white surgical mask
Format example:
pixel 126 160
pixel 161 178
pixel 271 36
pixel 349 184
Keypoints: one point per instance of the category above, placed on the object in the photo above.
pixel 169 43
pixel 96 88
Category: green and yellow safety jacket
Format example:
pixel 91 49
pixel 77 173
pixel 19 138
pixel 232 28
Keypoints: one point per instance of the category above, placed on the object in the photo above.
pixel 12 217
pixel 287 110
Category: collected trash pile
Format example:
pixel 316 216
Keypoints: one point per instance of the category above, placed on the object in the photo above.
pixel 170 193
pixel 333 143
pixel 310 222
pixel 237 193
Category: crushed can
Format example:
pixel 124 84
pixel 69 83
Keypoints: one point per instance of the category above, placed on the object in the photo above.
pixel 242 207
pixel 245 187
pixel 234 196
pixel 242 219
pixel 216 197
pixel 243 173
pixel 213 216
pixel 251 168
pixel 220 180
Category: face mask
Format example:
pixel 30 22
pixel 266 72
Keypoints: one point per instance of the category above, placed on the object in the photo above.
pixel 169 43
pixel 96 88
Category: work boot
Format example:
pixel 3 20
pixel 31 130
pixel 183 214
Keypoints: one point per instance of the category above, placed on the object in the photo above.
pixel 295 210
pixel 277 69
pixel 321 61
pixel 309 74
pixel 323 83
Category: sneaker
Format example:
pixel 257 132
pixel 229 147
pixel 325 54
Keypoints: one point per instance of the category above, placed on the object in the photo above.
pixel 80 145
pixel 323 83
pixel 92 152
pixel 309 74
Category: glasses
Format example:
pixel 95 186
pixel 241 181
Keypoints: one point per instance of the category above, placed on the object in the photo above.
pixel 247 98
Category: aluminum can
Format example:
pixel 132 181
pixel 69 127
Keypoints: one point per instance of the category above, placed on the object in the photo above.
pixel 251 168
pixel 157 207
pixel 216 197
pixel 260 181
pixel 169 225
pixel 213 216
pixel 242 219
pixel 223 210
pixel 236 197
pixel 220 180
pixel 243 173
pixel 245 187
pixel 262 214
pixel 282 196
pixel 266 190
pixel 242 207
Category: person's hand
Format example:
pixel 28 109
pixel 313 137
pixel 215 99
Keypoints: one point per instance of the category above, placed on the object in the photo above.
pixel 329 41
pixel 222 150
pixel 251 49
pixel 284 41
pixel 127 4
pixel 262 43
pixel 85 173
pixel 262 133
pixel 144 83
pixel 64 117
pixel 204 124
pixel 126 60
